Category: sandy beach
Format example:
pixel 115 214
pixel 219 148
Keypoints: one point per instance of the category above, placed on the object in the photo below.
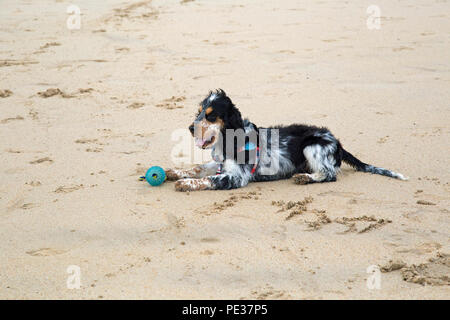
pixel 86 109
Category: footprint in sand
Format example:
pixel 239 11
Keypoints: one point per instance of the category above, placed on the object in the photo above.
pixel 296 207
pixel 135 11
pixel 136 105
pixel 64 189
pixel 383 140
pixel 320 217
pixel 12 119
pixel 13 151
pixel 34 183
pixel 171 103
pixel 270 293
pixel 234 199
pixel 175 221
pixel 320 220
pixel 46 46
pixel 34 115
pixel 144 135
pixel 5 93
pixel 16 203
pixel 85 90
pixel 350 223
pixel 41 160
pixel 392 265
pixel 27 206
pixel 50 44
pixel 44 252
pixel 58 92
pixel 434 272
pixel 50 93
pixel 425 203
pixel 91 141
pixel 10 62
pixel 84 141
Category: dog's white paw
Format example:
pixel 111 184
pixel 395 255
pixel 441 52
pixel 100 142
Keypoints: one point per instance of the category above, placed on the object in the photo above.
pixel 192 184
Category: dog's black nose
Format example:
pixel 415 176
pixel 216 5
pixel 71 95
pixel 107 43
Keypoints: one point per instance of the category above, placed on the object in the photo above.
pixel 191 128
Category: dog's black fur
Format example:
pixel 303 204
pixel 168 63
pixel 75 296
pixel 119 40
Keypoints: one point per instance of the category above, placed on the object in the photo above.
pixel 309 153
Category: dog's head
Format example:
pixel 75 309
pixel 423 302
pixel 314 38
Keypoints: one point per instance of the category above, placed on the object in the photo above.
pixel 216 114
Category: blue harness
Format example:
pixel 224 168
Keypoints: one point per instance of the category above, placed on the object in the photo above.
pixel 249 146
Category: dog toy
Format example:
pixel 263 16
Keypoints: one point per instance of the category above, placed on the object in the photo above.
pixel 154 176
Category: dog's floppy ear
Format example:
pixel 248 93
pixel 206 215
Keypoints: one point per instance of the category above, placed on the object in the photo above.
pixel 233 118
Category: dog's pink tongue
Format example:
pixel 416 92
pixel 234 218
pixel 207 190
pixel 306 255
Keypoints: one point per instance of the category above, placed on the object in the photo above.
pixel 199 142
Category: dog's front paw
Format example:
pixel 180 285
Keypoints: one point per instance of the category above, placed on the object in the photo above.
pixel 302 178
pixel 183 185
pixel 172 174
pixel 192 184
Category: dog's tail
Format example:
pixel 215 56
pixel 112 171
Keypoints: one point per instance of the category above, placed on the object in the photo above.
pixel 348 158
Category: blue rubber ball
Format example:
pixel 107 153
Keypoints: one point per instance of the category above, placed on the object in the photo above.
pixel 155 176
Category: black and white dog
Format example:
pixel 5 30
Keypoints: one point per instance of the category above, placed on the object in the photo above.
pixel 243 153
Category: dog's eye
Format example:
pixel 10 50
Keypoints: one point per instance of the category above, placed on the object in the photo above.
pixel 211 117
